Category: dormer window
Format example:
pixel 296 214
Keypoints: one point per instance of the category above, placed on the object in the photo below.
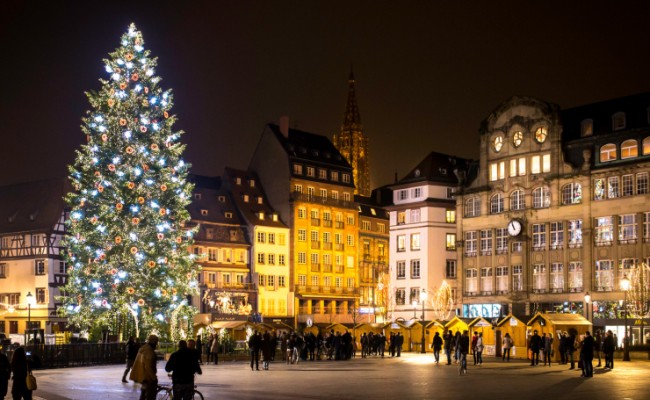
pixel 228 215
pixel 311 171
pixel 629 149
pixel 618 121
pixel 238 181
pixel 245 198
pixel 222 199
pixel 297 169
pixel 252 183
pixel 587 127
pixel 275 217
pixel 260 200
pixel 197 196
pixel 261 215
pixel 204 212
pixel 608 152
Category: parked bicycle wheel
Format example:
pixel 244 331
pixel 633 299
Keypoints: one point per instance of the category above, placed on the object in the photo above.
pixel 197 395
pixel 164 393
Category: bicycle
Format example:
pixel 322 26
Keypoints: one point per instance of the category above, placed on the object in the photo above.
pixel 166 392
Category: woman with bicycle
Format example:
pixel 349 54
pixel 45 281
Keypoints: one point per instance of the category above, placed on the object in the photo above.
pixel 183 364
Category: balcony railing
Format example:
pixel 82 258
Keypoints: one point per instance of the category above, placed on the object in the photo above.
pixel 338 269
pixel 315 222
pixel 339 247
pixel 315 245
pixel 315 267
pixel 327 223
pixel 298 196
pixel 327 267
pixel 339 225
pixel 327 245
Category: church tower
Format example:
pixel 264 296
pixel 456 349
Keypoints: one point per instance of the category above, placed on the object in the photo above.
pixel 353 144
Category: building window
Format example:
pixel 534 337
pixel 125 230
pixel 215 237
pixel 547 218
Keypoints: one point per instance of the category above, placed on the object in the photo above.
pixel 497 171
pixel 302 280
pixel 646 226
pixel 496 203
pixel 400 269
pixel 302 235
pixel 604 231
pixel 486 280
pixel 271 259
pixel 613 187
pixel 472 207
pixel 599 188
pixel 502 279
pixel 557 235
pixel 322 193
pixel 517 138
pixel 350 240
pixel 450 193
pixel 541 197
pixel 401 217
pixel 334 176
pixel 627 228
pixel 646 146
pixel 415 216
pixel 627 267
pixel 450 241
pixel 517 278
pixel 261 237
pixel 297 169
pixel 618 121
pixel 297 188
pixel 502 240
pixel 282 281
pixel 350 283
pixel 604 275
pixel 302 257
pixel 415 241
pixel 335 195
pixel 322 173
pixel 608 152
pixel 486 242
pixel 535 165
pixel 311 171
pixel 346 196
pixel 539 236
pixel 3 271
pixel 540 282
pixel 366 225
pixel 517 200
pixel 642 183
pixel 628 185
pixel 417 192
pixel 281 259
pixel 381 228
pixel 450 269
pixel 450 216
pixel 401 243
pixel 346 178
pixel 302 213
pixel 575 276
pixel 415 269
pixel 41 296
pixel 587 127
pixel 260 258
pixel 572 194
pixel 400 296
pixel 629 149
pixel 39 267
pixel 314 280
pixel 471 238
pixel 282 239
pixel 471 280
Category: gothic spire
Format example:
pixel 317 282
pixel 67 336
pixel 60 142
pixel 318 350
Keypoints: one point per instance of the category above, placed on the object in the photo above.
pixel 352 119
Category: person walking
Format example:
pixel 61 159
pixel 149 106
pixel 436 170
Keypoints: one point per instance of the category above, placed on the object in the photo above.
pixel 473 346
pixel 144 369
pixel 479 349
pixel 507 345
pixel 214 349
pixel 598 344
pixel 609 346
pixel 534 346
pixel 569 347
pixel 463 349
pixel 199 348
pixel 399 342
pixel 449 338
pixel 254 343
pixel 457 346
pixel 267 350
pixel 183 364
pixel 5 374
pixel 562 348
pixel 547 347
pixel 20 367
pixel 587 355
pixel 131 348
pixel 437 346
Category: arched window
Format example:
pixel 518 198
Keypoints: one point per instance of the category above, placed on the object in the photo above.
pixel 629 149
pixel 496 203
pixel 572 194
pixel 541 197
pixel 517 200
pixel 608 152
pixel 472 207
pixel 646 146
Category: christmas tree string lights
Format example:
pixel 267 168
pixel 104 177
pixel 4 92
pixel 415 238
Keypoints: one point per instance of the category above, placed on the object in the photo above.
pixel 128 245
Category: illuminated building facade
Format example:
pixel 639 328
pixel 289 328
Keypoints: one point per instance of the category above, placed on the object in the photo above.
pixel 556 207
pixel 311 186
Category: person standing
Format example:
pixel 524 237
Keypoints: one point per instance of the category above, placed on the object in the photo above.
pixel 214 349
pixel 479 349
pixel 399 342
pixel 20 367
pixel 562 347
pixel 183 364
pixel 267 350
pixel 473 346
pixel 507 345
pixel 534 346
pixel 437 346
pixel 569 347
pixel 199 348
pixel 587 355
pixel 457 346
pixel 5 373
pixel 609 346
pixel 463 349
pixel 132 348
pixel 144 369
pixel 254 343
pixel 448 337
pixel 547 348
pixel 598 344
pixel 391 344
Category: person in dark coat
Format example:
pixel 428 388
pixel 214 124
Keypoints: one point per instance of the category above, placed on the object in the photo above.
pixel 437 346
pixel 609 346
pixel 534 346
pixel 132 348
pixel 562 348
pixel 5 373
pixel 254 343
pixel 463 349
pixel 399 342
pixel 267 350
pixel 449 338
pixel 569 346
pixel 20 367
pixel 183 364
pixel 587 355
pixel 598 344
pixel 391 344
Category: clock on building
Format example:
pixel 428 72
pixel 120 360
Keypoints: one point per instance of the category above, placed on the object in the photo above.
pixel 517 138
pixel 540 134
pixel 497 143
pixel 514 227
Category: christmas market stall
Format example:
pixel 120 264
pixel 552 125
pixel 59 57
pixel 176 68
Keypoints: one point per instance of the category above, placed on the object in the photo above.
pixel 554 324
pixel 515 327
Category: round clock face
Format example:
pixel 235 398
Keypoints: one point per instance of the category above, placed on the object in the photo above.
pixel 517 138
pixel 497 143
pixel 540 134
pixel 514 227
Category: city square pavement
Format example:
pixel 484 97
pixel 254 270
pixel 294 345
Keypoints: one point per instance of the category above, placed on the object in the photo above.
pixel 413 376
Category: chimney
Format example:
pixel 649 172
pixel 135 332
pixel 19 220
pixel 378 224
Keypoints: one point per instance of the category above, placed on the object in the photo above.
pixel 284 126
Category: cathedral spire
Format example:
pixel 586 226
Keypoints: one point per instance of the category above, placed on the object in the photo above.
pixel 352 118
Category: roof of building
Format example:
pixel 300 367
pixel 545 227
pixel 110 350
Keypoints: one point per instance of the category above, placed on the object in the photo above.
pixel 436 167
pixel 306 146
pixel 246 196
pixel 635 108
pixel 32 206
pixel 368 207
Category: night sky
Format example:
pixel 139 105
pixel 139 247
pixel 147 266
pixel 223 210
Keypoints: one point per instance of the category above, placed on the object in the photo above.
pixel 427 72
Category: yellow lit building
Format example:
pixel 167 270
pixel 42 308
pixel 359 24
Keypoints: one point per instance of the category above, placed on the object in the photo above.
pixel 310 184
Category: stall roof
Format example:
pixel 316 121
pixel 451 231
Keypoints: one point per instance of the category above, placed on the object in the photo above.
pixel 228 324
pixel 561 319
pixel 521 318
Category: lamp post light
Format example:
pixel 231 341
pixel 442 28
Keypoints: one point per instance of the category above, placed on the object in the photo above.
pixel 587 301
pixel 30 298
pixel 625 286
pixel 423 298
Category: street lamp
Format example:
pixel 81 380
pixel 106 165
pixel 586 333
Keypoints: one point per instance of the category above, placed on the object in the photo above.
pixel 423 298
pixel 587 301
pixel 625 286
pixel 30 299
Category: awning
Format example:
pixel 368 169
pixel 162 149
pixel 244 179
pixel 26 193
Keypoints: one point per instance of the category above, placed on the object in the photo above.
pixel 228 324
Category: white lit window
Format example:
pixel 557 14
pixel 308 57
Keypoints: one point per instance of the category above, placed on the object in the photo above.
pixel 415 241
pixel 517 200
pixel 557 277
pixel 486 280
pixel 535 165
pixel 612 187
pixel 599 188
pixel 575 233
pixel 471 238
pixel 486 242
pixel 572 193
pixel 627 228
pixel 539 236
pixel 540 281
pixel 546 163
pixel 415 215
pixel 604 279
pixel 502 240
pixel 451 241
pixel 517 278
pixel 496 203
pixel 575 276
pixel 450 216
pixel 557 235
pixel 502 279
pixel 471 280
pixel 604 231
pixel 401 243
pixel 472 207
pixel 541 197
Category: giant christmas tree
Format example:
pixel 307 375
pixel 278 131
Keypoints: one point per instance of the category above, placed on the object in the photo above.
pixel 128 253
